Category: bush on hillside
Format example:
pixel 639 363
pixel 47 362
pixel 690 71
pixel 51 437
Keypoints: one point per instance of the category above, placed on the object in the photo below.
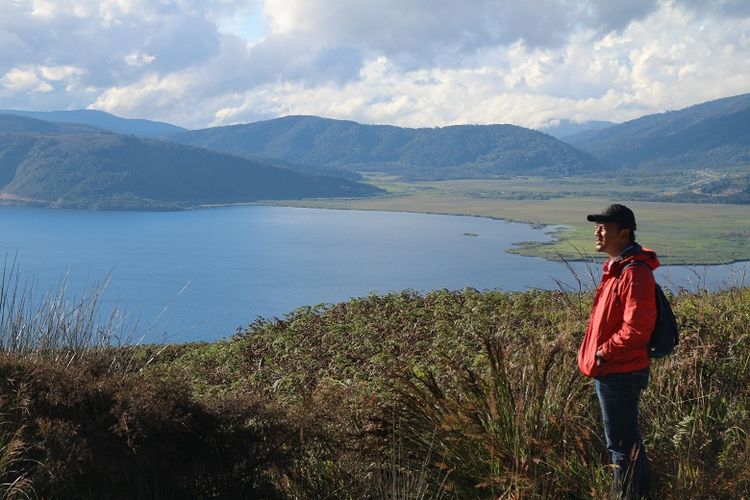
pixel 115 435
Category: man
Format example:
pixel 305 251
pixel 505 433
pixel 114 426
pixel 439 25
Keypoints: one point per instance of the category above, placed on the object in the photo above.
pixel 614 350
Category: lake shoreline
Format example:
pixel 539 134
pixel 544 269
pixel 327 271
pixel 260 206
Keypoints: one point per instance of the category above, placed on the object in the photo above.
pixel 196 273
pixel 552 229
pixel 556 231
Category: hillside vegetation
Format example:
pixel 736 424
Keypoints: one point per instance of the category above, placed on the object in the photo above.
pixel 700 154
pixel 450 394
pixel 714 134
pixel 72 166
pixel 709 142
pixel 466 151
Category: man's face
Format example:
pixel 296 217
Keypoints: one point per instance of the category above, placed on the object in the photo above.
pixel 610 238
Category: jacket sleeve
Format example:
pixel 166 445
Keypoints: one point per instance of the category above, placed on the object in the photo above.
pixel 637 291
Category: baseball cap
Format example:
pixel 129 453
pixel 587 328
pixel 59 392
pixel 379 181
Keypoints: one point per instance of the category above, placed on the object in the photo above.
pixel 615 213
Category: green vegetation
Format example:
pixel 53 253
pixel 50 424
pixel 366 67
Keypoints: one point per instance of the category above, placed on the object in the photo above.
pixel 450 394
pixel 695 155
pixel 714 134
pixel 457 152
pixel 101 170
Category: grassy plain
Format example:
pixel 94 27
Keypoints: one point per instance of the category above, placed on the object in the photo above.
pixel 681 233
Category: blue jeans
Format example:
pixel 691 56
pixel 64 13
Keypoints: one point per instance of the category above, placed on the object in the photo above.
pixel 619 394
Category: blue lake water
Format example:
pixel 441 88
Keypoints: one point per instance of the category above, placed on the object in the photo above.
pixel 200 275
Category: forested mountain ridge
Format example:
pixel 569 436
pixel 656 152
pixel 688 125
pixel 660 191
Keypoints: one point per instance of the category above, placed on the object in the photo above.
pixel 461 151
pixel 103 121
pixel 22 124
pixel 714 134
pixel 89 169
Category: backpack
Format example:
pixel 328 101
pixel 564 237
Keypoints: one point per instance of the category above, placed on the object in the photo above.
pixel 666 334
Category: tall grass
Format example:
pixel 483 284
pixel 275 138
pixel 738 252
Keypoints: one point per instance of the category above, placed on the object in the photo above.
pixel 14 482
pixel 515 418
pixel 487 384
pixel 697 410
pixel 87 413
pixel 47 329
pixel 55 325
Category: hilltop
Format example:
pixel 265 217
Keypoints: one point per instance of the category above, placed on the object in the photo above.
pixel 65 165
pixel 461 151
pixel 714 134
pixel 700 154
pixel 102 120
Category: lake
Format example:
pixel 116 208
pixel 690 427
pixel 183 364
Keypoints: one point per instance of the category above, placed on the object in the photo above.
pixel 201 274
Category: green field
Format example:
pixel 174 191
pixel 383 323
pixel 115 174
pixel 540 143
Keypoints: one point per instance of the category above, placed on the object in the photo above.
pixel 681 233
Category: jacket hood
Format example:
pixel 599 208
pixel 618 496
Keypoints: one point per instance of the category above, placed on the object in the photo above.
pixel 636 253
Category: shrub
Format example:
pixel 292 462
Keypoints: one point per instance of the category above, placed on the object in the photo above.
pixel 136 436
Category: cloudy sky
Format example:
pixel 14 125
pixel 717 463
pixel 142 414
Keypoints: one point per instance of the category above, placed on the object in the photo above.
pixel 405 62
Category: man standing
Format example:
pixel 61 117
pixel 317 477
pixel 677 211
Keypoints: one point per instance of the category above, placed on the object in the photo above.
pixel 614 350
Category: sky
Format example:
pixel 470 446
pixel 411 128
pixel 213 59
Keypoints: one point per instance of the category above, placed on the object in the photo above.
pixel 412 63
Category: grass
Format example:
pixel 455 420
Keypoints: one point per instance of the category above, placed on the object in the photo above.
pixel 13 480
pixel 55 326
pixel 681 233
pixel 487 384
pixel 449 394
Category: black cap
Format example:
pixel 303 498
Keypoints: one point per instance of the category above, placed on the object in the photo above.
pixel 615 213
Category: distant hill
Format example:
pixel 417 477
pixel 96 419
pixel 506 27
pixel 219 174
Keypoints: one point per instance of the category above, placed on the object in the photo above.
pixel 564 128
pixel 16 123
pixel 105 170
pixel 104 121
pixel 715 134
pixel 465 151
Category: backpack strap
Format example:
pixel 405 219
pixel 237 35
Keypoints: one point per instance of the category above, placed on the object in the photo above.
pixel 629 264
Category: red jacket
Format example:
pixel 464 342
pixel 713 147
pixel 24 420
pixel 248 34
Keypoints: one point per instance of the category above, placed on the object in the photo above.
pixel 623 316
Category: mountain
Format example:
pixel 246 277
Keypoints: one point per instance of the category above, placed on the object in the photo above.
pixel 463 151
pixel 90 169
pixel 19 124
pixel 563 128
pixel 104 121
pixel 714 134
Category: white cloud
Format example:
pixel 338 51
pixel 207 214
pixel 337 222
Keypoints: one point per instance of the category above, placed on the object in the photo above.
pixel 657 63
pixel 59 73
pixel 24 80
pixel 415 63
pixel 139 59
pixel 420 32
pixel 152 91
